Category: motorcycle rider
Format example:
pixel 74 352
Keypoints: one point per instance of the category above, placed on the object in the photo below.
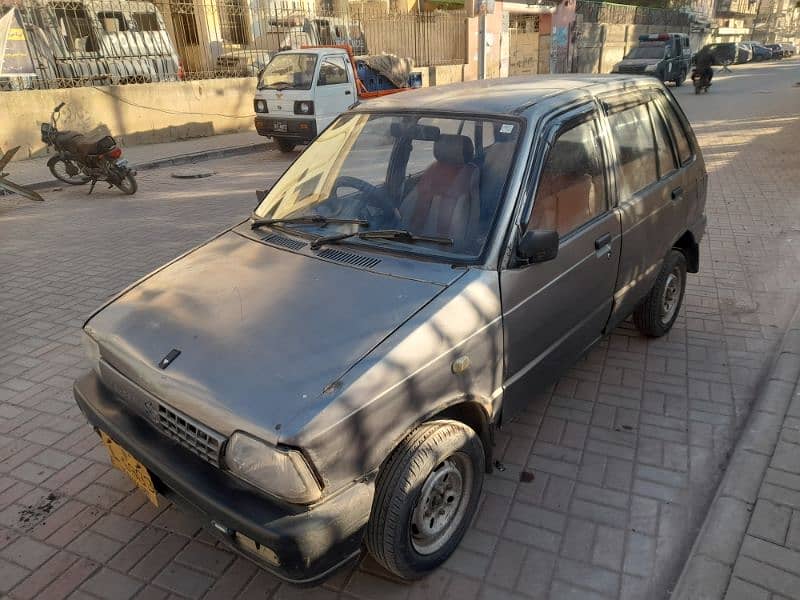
pixel 703 62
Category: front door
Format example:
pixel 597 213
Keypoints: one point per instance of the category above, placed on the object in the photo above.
pixel 553 311
pixel 334 93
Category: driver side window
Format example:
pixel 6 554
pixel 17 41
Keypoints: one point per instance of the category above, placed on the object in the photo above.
pixel 332 71
pixel 572 187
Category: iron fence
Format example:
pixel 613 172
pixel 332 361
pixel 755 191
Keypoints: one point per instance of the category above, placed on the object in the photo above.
pixel 628 14
pixel 66 43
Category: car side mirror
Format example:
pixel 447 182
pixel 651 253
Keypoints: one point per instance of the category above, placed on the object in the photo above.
pixel 538 246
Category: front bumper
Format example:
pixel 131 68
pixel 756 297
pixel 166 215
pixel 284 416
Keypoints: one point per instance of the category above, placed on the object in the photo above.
pixel 302 545
pixel 302 130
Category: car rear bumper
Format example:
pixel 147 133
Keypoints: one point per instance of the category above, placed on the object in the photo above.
pixel 302 130
pixel 302 545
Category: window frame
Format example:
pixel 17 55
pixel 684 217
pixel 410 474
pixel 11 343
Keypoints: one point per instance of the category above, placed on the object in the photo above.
pixel 660 99
pixel 103 15
pixel 337 60
pixel 588 112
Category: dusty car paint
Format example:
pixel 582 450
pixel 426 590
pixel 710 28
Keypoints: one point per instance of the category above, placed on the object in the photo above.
pixel 343 360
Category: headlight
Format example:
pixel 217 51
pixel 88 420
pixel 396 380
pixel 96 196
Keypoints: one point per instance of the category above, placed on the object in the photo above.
pixel 650 68
pixel 261 106
pixel 278 472
pixel 92 351
pixel 303 107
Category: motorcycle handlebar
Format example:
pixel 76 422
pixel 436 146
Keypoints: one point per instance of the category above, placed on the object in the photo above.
pixel 59 107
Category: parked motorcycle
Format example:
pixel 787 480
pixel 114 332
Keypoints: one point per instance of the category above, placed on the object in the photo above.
pixel 80 160
pixel 701 82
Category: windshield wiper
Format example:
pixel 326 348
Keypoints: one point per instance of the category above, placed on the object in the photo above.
pixel 306 220
pixel 398 235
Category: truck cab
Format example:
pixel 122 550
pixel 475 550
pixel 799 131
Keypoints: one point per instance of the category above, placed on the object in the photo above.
pixel 300 92
pixel 666 56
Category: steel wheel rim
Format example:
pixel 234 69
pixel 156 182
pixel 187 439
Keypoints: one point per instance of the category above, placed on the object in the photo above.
pixel 671 296
pixel 62 168
pixel 441 504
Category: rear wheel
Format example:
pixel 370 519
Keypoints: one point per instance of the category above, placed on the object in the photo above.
pixel 656 314
pixel 128 184
pixel 285 145
pixel 67 170
pixel 425 497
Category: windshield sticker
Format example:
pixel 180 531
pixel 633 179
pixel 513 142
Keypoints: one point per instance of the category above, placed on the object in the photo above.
pixel 506 128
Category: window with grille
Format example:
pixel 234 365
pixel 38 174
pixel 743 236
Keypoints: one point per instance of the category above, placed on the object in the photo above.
pixel 232 21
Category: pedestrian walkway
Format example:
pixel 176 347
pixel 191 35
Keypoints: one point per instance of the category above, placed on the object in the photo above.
pixel 35 172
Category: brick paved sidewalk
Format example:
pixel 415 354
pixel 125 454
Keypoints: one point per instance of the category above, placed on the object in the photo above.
pixel 749 548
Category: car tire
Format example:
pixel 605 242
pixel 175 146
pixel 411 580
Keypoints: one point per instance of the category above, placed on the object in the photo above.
pixel 285 145
pixel 425 497
pixel 681 78
pixel 656 314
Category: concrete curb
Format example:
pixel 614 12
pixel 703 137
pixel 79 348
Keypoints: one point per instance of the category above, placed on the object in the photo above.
pixel 180 159
pixel 708 569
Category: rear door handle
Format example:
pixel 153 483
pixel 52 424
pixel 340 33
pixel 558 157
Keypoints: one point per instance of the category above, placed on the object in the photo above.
pixel 347 92
pixel 677 193
pixel 603 241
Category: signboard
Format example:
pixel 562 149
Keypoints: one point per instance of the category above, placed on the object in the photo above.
pixel 15 59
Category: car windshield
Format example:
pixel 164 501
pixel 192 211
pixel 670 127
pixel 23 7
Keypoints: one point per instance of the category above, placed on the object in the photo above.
pixel 656 51
pixel 289 72
pixel 429 176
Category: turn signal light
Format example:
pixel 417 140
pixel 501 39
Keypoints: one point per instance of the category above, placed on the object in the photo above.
pixel 115 153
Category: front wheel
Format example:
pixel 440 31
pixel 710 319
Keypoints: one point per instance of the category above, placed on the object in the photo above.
pixel 425 498
pixel 127 184
pixel 67 170
pixel 656 314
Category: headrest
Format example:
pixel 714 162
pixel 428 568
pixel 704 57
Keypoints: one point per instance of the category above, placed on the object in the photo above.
pixel 453 149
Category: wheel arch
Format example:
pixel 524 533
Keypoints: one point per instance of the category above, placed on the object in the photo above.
pixel 690 249
pixel 474 415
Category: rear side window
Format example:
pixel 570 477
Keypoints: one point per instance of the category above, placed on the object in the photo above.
pixel 636 150
pixel 678 132
pixel 572 189
pixel 666 159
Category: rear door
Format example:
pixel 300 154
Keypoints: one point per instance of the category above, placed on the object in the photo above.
pixel 552 311
pixel 334 91
pixel 651 194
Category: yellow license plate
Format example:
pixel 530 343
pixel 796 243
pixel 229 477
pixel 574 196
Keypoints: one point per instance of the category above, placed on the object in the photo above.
pixel 125 462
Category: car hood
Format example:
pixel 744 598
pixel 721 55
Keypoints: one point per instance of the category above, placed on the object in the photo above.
pixel 261 331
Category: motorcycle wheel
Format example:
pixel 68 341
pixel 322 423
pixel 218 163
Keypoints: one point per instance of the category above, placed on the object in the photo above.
pixel 67 170
pixel 127 184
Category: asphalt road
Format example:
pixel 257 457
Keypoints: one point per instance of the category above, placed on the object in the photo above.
pixel 626 450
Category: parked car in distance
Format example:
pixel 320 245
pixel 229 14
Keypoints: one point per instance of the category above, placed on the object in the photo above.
pixel 759 52
pixel 666 56
pixel 728 53
pixel 789 49
pixel 777 50
pixel 329 373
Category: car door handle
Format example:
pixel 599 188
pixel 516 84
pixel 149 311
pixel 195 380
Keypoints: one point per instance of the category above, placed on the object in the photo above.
pixel 677 193
pixel 603 241
pixel 347 92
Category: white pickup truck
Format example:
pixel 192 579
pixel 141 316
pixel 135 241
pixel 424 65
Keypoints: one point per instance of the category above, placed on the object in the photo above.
pixel 300 92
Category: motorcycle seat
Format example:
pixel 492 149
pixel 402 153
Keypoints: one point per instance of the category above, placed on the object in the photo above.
pixel 78 143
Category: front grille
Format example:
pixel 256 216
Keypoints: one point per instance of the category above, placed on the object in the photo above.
pixel 190 434
pixel 631 69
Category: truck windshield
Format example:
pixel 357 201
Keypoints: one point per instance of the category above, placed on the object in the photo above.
pixel 434 176
pixel 656 51
pixel 289 72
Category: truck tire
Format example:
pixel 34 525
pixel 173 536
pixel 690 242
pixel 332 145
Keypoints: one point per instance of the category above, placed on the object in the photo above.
pixel 656 314
pixel 425 497
pixel 285 145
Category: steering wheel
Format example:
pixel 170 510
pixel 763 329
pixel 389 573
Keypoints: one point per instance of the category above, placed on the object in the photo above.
pixel 372 195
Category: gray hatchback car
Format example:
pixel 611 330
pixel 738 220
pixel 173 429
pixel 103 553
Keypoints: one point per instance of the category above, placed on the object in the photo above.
pixel 328 375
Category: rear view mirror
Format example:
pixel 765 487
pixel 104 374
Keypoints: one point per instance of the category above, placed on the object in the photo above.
pixel 538 246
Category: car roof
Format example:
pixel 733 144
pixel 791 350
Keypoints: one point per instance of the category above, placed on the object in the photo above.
pixel 504 96
pixel 318 51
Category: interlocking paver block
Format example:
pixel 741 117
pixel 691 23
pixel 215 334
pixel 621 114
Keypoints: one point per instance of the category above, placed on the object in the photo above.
pixel 770 521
